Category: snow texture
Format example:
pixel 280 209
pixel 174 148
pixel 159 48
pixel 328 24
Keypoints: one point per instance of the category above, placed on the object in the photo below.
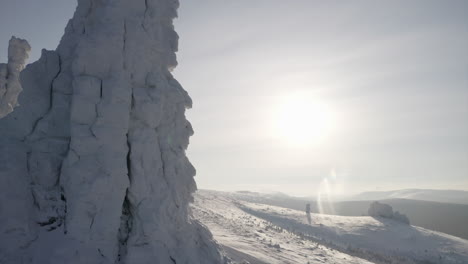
pixel 247 238
pixel 10 86
pixel 92 164
pixel 270 234
pixel 377 209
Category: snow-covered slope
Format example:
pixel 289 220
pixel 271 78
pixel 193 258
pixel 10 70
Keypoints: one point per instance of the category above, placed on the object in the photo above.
pixel 249 227
pixel 92 163
pixel 246 237
pixel 427 214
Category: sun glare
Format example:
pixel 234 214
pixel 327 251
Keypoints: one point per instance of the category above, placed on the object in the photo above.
pixel 302 120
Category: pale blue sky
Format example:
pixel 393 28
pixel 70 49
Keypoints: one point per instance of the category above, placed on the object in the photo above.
pixel 395 73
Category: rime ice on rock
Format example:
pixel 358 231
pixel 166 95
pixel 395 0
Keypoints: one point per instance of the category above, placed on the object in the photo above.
pixel 92 164
pixel 10 86
pixel 377 209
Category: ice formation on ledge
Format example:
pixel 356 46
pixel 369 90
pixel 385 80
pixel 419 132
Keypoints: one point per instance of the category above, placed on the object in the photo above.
pixel 92 164
pixel 10 86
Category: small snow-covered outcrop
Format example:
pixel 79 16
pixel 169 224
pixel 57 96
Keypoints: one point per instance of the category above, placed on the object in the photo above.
pixel 377 209
pixel 10 86
pixel 401 217
pixel 92 164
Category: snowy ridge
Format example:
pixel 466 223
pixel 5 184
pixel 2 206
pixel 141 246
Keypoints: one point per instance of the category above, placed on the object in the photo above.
pixel 442 196
pixel 360 238
pixel 92 164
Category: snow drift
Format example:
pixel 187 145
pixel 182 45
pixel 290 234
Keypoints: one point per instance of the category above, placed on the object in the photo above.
pixel 92 164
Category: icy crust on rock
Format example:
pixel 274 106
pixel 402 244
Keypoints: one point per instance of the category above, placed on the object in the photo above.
pixel 92 165
pixel 10 86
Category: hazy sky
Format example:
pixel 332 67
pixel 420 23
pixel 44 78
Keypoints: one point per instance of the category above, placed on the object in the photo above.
pixel 392 77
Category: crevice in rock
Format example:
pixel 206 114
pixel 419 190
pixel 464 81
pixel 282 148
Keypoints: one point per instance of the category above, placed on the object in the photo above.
pixel 50 209
pixel 124 47
pixel 100 88
pixel 144 17
pixel 35 202
pixel 57 182
pixel 163 167
pixel 126 225
pixel 63 217
pixel 96 111
pixel 50 221
pixel 51 100
pixel 92 222
pixel 129 161
pixel 129 145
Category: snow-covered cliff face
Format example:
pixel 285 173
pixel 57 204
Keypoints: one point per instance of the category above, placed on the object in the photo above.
pixel 92 163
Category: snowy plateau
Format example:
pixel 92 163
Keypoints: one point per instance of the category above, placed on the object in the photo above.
pixel 252 232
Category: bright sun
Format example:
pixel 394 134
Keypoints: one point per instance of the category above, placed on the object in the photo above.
pixel 302 120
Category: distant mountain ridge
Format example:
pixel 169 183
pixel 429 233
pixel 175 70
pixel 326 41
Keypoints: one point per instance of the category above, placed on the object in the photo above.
pixel 431 195
pixel 442 196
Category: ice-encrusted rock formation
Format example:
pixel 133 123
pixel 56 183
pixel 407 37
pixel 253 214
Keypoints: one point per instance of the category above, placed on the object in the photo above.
pixel 377 209
pixel 92 163
pixel 10 86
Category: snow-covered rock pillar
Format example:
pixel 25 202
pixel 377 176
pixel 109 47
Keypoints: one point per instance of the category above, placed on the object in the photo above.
pixel 104 136
pixel 10 86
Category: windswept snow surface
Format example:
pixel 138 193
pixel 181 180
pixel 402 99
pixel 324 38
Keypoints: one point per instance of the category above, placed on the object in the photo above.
pixel 278 235
pixel 246 237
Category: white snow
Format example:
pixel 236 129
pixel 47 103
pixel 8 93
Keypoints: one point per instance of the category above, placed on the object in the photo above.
pixel 92 164
pixel 249 227
pixel 246 237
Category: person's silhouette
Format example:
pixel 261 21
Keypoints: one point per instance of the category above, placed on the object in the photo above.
pixel 309 219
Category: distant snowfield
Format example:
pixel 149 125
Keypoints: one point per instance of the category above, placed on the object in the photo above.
pixel 258 233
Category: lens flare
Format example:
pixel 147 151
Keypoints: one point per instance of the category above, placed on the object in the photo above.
pixel 324 198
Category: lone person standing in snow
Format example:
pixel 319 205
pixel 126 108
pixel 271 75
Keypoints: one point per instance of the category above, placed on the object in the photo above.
pixel 309 219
